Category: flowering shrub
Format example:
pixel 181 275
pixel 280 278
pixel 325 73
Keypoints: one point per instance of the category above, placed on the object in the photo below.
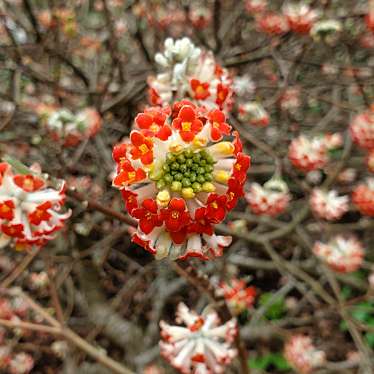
pixel 180 93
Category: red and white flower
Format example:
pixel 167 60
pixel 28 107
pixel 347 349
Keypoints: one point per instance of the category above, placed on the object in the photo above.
pixel 301 353
pixel 300 17
pixel 29 210
pixel 202 346
pixel 271 199
pixel 328 205
pixel 290 99
pixel 362 129
pixel 187 72
pixel 272 23
pixel 255 6
pixel 69 128
pixel 179 176
pixel 333 141
pixel 199 16
pixel 21 363
pixel 343 254
pixel 254 113
pixel 308 154
pixel 237 295
pixel 363 197
pixel 5 357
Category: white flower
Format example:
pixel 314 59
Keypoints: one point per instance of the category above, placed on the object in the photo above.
pixel 203 346
pixel 302 354
pixel 28 209
pixel 328 205
pixel 326 29
pixel 244 85
pixel 270 199
pixel 342 254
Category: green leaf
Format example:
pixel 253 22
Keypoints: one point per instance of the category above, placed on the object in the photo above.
pixel 276 309
pixel 280 362
pixel 260 363
pixel 369 336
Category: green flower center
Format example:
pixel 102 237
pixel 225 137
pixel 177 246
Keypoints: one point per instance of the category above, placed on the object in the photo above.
pixel 188 172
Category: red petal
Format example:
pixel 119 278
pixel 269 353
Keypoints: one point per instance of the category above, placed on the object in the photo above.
pixel 144 121
pixel 187 114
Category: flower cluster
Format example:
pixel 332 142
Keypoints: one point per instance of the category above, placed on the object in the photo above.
pixel 162 15
pixel 362 129
pixel 300 17
pixel 179 177
pixel 254 113
pixel 14 363
pixel 29 210
pixel 271 199
pixel 363 197
pixel 191 73
pixel 238 296
pixel 203 346
pixel 342 254
pixel 308 154
pixel 302 354
pixel 328 205
pixel 68 128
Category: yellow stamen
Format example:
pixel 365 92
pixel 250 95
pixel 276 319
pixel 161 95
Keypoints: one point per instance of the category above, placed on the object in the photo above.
pixel 199 142
pixel 208 187
pixel 221 176
pixel 154 127
pixel 175 147
pixel 163 198
pixel 131 175
pixel 188 193
pixel 144 149
pixel 5 208
pixel 214 205
pixel 186 126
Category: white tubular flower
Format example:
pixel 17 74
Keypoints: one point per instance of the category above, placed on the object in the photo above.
pixel 29 210
pixel 187 72
pixel 203 346
pixel 302 354
pixel 243 85
pixel 308 154
pixel 68 128
pixel 326 30
pixel 271 199
pixel 254 113
pixel 21 363
pixel 362 129
pixel 343 254
pixel 328 205
pixel 300 17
